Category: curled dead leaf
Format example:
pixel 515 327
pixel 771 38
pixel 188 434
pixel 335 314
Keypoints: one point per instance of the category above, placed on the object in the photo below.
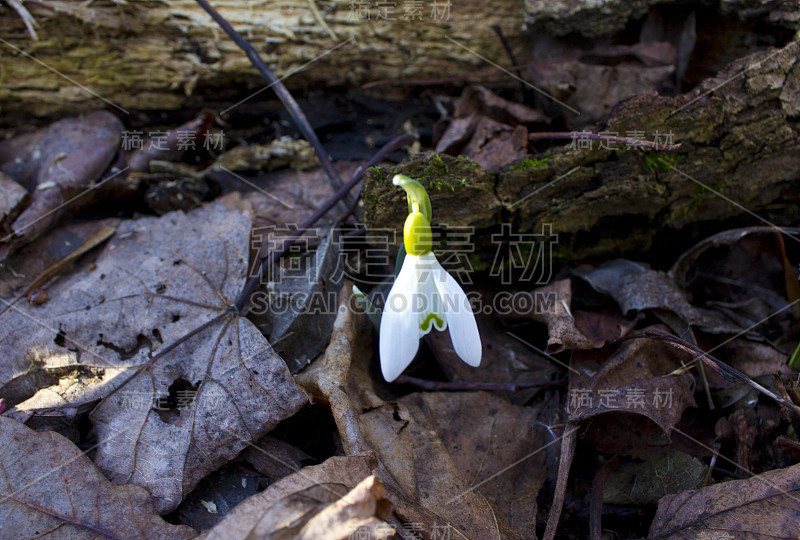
pixel 570 329
pixel 331 501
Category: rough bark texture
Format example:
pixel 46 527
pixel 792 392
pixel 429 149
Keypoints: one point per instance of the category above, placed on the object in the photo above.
pixel 741 155
pixel 147 55
pixel 152 55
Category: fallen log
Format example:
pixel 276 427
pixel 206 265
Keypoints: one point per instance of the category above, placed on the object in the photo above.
pixel 739 165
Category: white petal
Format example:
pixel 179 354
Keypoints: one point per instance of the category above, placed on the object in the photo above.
pixel 460 319
pixel 399 333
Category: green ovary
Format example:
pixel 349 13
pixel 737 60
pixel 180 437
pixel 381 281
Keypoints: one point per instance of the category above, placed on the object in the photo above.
pixel 417 233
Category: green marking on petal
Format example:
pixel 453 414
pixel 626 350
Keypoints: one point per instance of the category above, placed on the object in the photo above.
pixel 425 325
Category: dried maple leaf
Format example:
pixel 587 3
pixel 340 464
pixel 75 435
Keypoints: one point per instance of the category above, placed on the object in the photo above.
pixel 49 487
pixel 171 411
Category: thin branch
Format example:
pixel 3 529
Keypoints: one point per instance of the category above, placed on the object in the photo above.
pixel 512 57
pixel 564 463
pixel 596 505
pixel 729 373
pixel 242 303
pixel 282 93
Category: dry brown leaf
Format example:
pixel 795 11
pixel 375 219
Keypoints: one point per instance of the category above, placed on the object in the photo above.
pixel 57 164
pixel 49 488
pixel 298 307
pixel 504 359
pixel 487 128
pixel 324 502
pixel 603 325
pixel 577 329
pixel 21 268
pixel 764 506
pixel 274 458
pixel 494 145
pixel 561 330
pixel 476 98
pixel 743 274
pixel 496 447
pixel 591 89
pixel 627 394
pixel 457 134
pixel 635 287
pixel 356 514
pixel 168 415
pixel 340 375
pixel 752 358
pixel 725 242
pixel 424 481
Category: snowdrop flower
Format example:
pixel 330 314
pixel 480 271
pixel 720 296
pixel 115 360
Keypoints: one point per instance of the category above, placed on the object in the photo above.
pixel 424 295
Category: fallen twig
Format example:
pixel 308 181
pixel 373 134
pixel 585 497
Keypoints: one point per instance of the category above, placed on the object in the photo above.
pixel 242 303
pixel 564 463
pixel 730 374
pixel 596 505
pixel 283 94
pixel 513 58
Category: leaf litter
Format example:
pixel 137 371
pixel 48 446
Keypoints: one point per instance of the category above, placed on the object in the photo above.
pixel 113 321
pixel 474 463
pixel 135 349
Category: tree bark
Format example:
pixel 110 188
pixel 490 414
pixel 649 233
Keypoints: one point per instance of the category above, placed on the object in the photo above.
pixel 143 55
pixel 740 165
